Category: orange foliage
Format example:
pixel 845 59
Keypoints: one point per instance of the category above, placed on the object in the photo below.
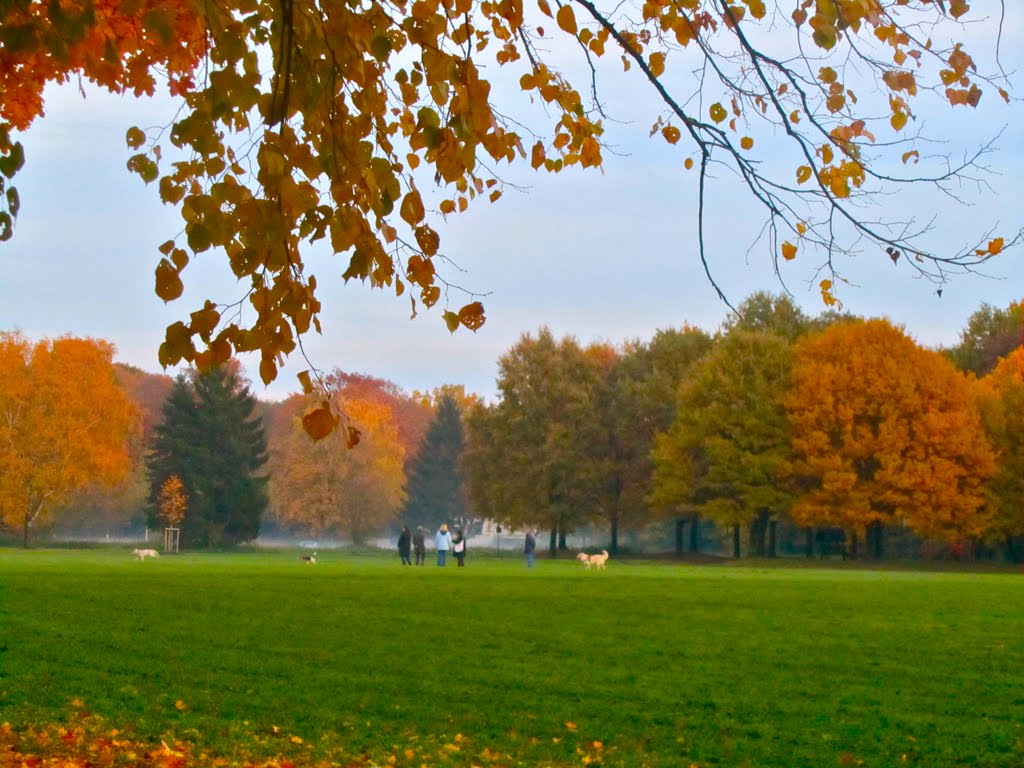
pixel 324 144
pixel 1002 397
pixel 173 501
pixel 325 488
pixel 65 423
pixel 116 44
pixel 885 431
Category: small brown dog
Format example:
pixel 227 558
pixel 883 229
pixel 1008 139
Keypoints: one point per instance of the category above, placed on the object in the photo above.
pixel 593 561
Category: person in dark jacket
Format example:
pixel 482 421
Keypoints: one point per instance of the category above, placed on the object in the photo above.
pixel 459 547
pixel 404 544
pixel 419 546
pixel 530 546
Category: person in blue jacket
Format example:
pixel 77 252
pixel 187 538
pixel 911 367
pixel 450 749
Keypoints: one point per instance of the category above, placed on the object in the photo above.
pixel 442 542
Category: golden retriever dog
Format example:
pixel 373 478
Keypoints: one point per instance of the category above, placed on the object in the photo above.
pixel 142 554
pixel 593 561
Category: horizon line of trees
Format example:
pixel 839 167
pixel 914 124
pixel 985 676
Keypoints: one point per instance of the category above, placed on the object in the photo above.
pixel 777 418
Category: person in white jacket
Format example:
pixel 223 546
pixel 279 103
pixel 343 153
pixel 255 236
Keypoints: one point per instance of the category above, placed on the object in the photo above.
pixel 442 542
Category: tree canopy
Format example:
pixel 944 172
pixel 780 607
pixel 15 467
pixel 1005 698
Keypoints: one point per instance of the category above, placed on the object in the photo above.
pixel 364 125
pixel 65 424
pixel 536 457
pixel 436 481
pixel 991 334
pixel 212 440
pixel 729 443
pixel 886 431
pixel 325 489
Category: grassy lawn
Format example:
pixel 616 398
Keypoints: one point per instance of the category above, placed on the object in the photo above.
pixel 645 665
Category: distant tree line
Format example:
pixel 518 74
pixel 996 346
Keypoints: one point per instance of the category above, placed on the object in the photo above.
pixel 779 431
pixel 842 428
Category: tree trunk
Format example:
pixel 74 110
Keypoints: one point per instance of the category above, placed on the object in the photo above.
pixel 736 541
pixel 561 540
pixel 809 541
pixel 758 530
pixel 874 543
pixel 772 538
pixel 614 545
pixel 853 546
pixel 553 543
pixel 24 533
pixel 1011 551
pixel 680 527
pixel 695 534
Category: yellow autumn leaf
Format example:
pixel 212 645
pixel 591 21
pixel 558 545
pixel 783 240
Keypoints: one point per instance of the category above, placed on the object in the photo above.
pixel 827 75
pixel 898 120
pixel 412 208
pixel 180 705
pixel 168 282
pixel 827 296
pixel 135 138
pixel 656 64
pixel 995 246
pixel 801 227
pixel 268 370
pixel 318 423
pixel 671 134
pixel 537 156
pixel 688 163
pixel 717 112
pixel 757 8
pixel 566 19
pixel 788 251
pixel 746 142
pixel 803 173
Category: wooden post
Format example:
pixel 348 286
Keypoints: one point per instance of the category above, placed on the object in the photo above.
pixel 171 538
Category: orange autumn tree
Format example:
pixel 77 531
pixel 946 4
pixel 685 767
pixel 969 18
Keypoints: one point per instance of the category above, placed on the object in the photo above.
pixel 324 488
pixel 885 432
pixel 1002 397
pixel 65 423
pixel 173 501
pixel 362 126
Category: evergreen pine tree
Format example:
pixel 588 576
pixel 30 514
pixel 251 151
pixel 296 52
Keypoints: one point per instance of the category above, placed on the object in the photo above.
pixel 436 486
pixel 212 440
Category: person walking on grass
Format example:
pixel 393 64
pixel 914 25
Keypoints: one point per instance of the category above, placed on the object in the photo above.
pixel 459 547
pixel 529 547
pixel 418 545
pixel 442 543
pixel 404 545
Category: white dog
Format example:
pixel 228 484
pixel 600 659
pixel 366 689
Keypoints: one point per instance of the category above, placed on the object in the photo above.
pixel 311 559
pixel 142 554
pixel 595 561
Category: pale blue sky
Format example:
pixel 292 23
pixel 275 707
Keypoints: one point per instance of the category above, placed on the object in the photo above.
pixel 602 256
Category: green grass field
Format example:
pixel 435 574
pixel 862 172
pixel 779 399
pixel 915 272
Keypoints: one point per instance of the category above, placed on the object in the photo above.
pixel 645 665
